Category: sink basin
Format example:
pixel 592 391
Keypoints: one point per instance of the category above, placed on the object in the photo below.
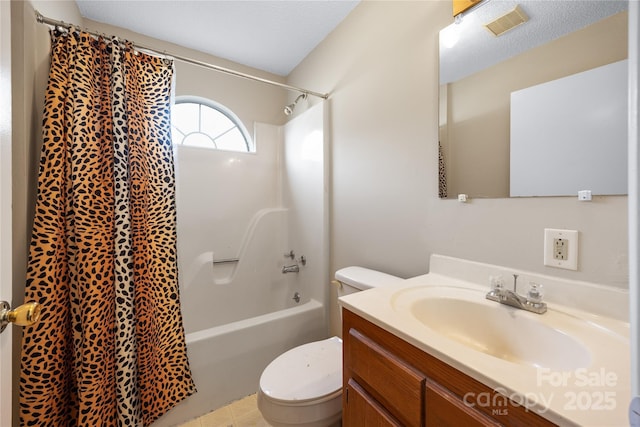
pixel 465 316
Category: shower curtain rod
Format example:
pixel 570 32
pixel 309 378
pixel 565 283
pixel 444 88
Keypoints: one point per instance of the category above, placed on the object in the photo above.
pixel 48 21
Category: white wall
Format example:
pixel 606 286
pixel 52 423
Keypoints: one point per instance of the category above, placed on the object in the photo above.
pixel 381 67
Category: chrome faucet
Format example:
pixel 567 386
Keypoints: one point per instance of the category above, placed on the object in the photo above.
pixel 532 302
pixel 293 268
pixel 290 269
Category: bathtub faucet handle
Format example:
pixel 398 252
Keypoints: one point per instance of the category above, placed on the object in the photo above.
pixel 291 254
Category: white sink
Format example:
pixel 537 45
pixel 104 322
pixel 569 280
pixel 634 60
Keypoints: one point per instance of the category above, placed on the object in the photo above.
pixel 561 364
pixel 550 340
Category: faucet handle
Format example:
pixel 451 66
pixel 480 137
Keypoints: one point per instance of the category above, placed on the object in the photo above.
pixel 535 293
pixel 497 283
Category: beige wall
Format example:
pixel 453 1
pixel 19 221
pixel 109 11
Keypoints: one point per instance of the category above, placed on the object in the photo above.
pixel 381 67
pixel 251 101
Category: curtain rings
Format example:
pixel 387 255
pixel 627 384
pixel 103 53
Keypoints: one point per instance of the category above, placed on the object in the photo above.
pixel 165 58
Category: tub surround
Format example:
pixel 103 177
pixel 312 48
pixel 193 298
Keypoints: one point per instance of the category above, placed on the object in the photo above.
pixel 596 392
pixel 240 316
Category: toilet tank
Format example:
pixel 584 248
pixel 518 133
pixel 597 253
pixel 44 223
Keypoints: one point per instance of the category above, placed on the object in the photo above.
pixel 355 279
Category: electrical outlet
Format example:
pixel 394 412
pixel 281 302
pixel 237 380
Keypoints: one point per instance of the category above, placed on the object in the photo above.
pixel 561 248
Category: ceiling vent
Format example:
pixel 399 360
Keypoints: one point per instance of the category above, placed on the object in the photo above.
pixel 507 21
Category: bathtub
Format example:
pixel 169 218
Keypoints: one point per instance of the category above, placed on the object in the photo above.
pixel 227 361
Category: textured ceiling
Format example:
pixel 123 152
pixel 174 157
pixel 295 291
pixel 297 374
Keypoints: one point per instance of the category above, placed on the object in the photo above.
pixel 477 48
pixel 270 35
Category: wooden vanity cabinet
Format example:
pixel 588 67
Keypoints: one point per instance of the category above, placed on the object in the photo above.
pixel 389 382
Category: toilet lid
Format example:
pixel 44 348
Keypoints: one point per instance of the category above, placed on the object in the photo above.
pixel 309 371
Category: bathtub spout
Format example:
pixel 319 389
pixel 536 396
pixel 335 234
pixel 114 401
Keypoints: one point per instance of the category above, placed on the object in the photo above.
pixel 290 269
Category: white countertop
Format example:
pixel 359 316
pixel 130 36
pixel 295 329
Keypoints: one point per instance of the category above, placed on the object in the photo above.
pixel 594 395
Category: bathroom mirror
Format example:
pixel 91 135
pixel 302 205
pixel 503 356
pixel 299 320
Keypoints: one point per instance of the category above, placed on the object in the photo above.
pixel 480 71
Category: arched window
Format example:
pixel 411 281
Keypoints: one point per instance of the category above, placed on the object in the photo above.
pixel 200 122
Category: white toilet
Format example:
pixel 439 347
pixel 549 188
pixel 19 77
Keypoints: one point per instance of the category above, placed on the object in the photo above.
pixel 303 386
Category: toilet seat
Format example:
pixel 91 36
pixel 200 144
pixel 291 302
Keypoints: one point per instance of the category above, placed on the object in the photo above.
pixel 303 387
pixel 306 373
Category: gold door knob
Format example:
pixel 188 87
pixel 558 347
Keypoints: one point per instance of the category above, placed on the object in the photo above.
pixel 24 315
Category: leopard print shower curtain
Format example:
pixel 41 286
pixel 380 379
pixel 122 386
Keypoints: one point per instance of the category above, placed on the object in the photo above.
pixel 110 348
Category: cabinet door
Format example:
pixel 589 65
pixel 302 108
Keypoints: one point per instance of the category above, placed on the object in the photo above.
pixel 387 378
pixel 443 409
pixel 361 410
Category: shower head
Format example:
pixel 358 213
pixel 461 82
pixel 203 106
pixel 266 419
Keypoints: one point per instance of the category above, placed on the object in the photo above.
pixel 288 110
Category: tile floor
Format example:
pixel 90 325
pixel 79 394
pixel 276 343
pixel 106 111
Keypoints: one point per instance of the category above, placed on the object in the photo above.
pixel 241 413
